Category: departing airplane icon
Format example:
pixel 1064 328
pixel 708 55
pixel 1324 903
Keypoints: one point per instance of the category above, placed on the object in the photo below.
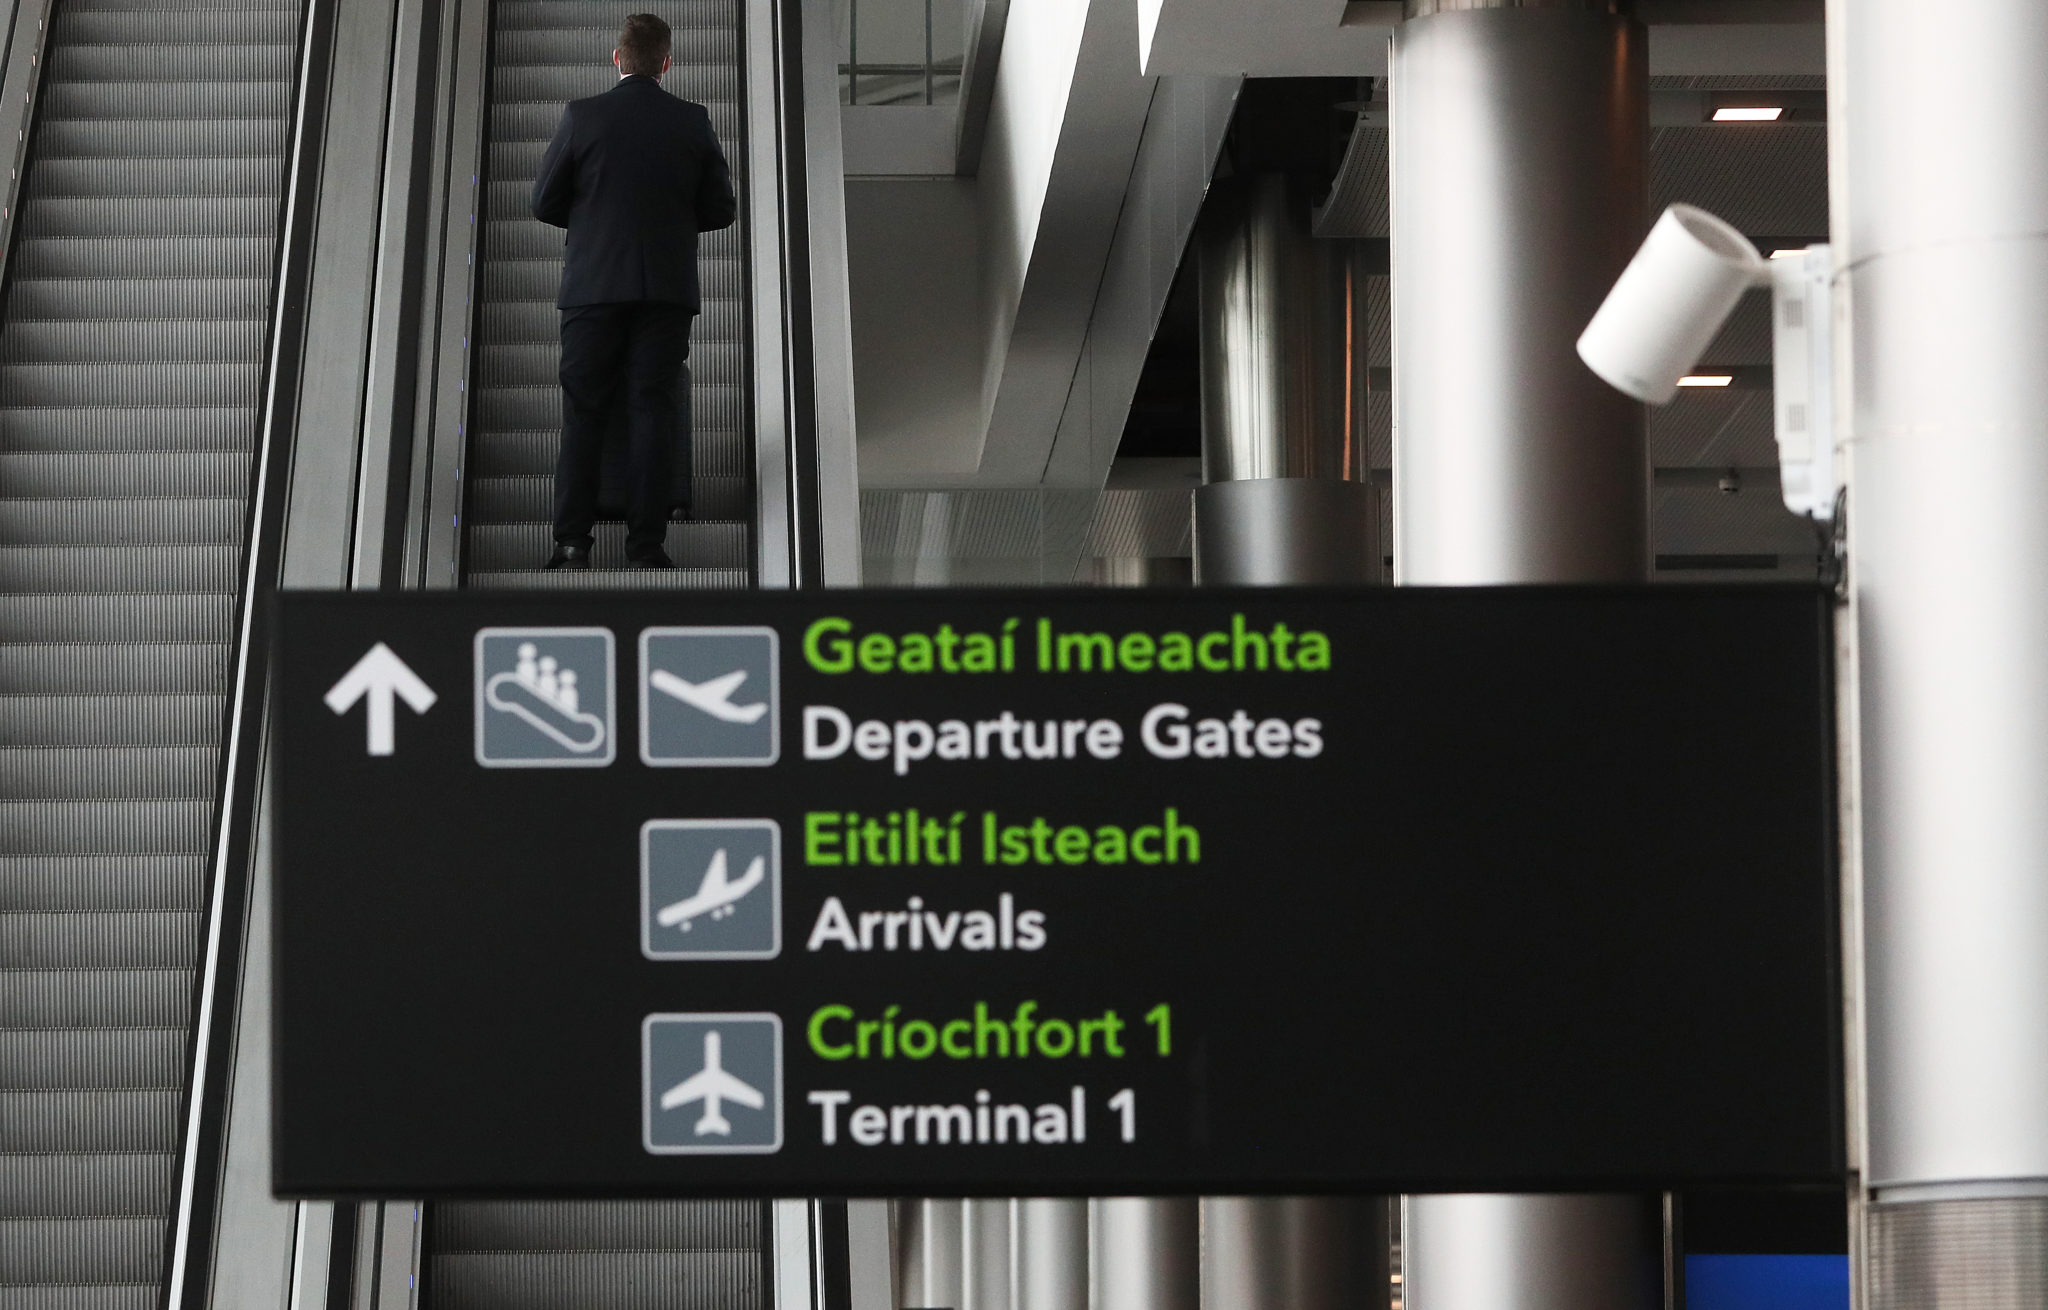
pixel 713 695
pixel 715 895
pixel 712 1085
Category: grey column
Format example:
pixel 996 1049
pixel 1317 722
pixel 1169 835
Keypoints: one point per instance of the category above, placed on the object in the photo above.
pixel 1294 1253
pixel 1284 504
pixel 1050 1254
pixel 928 1251
pixel 1942 242
pixel 1519 161
pixel 1146 1253
pixel 985 1272
pixel 1283 396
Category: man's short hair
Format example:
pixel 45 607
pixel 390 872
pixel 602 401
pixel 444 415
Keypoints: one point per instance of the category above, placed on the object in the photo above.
pixel 643 45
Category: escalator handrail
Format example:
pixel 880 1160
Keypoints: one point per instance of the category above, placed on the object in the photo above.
pixel 210 1053
pixel 800 378
pixel 25 50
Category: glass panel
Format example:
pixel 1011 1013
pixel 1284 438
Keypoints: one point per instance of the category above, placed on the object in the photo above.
pixel 900 52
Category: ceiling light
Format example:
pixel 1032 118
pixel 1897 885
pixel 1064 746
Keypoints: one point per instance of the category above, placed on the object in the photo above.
pixel 1707 380
pixel 1749 114
pixel 1788 252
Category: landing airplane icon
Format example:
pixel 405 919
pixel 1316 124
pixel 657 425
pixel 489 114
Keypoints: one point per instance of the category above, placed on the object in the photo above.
pixel 712 1085
pixel 715 895
pixel 713 695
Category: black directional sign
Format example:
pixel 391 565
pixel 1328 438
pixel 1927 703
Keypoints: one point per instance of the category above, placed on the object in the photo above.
pixel 1043 892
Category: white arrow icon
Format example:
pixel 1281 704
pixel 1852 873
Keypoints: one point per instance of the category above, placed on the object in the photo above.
pixel 381 676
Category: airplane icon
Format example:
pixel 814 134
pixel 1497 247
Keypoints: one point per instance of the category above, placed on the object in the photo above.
pixel 713 1086
pixel 713 696
pixel 715 895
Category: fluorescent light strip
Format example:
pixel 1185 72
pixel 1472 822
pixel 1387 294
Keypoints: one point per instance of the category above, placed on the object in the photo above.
pixel 1749 114
pixel 1707 380
pixel 1788 252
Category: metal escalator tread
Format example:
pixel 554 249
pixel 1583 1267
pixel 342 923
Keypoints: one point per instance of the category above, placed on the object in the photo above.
pixel 545 53
pixel 627 1255
pixel 131 347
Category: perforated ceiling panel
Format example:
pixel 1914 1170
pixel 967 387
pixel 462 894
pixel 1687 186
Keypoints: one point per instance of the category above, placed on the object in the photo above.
pixel 1768 179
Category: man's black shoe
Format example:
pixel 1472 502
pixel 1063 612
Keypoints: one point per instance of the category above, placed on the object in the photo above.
pixel 653 559
pixel 573 559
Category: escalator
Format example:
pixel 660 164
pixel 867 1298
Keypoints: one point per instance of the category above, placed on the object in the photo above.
pixel 545 53
pixel 597 1255
pixel 132 360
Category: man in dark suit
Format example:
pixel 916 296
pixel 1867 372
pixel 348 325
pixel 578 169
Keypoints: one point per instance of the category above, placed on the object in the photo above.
pixel 634 175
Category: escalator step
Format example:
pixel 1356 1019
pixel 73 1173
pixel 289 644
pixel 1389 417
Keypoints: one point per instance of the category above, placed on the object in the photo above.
pixel 87 1184
pixel 179 62
pixel 108 996
pixel 144 474
pixel 144 257
pixel 140 341
pixel 83 1059
pixel 115 618
pixel 95 297
pixel 99 138
pixel 134 667
pixel 193 721
pixel 116 827
pixel 101 940
pixel 218 521
pixel 65 1256
pixel 611 1280
pixel 164 100
pixel 599 1226
pixel 240 216
pixel 508 547
pixel 116 772
pixel 101 882
pixel 168 178
pixel 51 1123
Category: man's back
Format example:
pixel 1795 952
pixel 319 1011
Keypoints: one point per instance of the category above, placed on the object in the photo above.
pixel 634 174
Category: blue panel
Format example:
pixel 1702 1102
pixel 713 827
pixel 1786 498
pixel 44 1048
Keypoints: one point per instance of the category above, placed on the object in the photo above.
pixel 1767 1282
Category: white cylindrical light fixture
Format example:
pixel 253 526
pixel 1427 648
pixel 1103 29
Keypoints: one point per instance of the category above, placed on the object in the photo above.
pixel 1670 301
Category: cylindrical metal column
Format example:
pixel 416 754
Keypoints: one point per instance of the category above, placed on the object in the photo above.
pixel 1281 326
pixel 985 1273
pixel 1533 1252
pixel 1276 532
pixel 1050 1261
pixel 1146 1253
pixel 1942 238
pixel 1519 160
pixel 1284 382
pixel 1519 164
pixel 928 1246
pixel 1294 1253
pixel 1285 504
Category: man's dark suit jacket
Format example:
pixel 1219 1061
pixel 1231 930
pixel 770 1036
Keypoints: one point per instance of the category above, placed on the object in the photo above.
pixel 634 174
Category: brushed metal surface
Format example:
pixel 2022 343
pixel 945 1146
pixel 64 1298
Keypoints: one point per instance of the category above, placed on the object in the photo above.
pixel 1275 532
pixel 1519 167
pixel 1519 179
pixel 1498 1252
pixel 1284 364
pixel 1294 1253
pixel 1146 1253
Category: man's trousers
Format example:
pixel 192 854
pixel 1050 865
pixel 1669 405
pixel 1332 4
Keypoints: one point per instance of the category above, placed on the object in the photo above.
pixel 633 352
